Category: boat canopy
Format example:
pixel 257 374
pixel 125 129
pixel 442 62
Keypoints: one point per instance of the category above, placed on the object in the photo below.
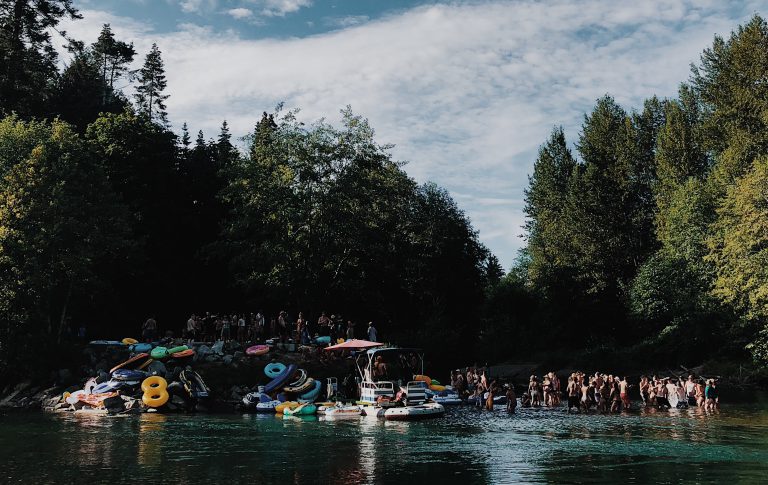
pixel 400 363
pixel 354 344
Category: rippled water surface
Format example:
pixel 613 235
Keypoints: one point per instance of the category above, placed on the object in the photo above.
pixel 467 446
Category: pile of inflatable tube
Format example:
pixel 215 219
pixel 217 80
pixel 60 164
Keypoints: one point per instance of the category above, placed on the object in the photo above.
pixel 133 379
pixel 290 391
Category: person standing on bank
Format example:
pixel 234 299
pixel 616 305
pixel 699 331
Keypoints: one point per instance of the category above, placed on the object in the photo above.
pixel 149 329
pixel 372 334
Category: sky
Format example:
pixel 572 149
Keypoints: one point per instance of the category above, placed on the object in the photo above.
pixel 467 91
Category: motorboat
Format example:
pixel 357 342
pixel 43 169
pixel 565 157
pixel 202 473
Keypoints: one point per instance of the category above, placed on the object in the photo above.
pixel 386 385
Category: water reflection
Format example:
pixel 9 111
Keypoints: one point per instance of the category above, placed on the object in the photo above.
pixel 150 439
pixel 468 445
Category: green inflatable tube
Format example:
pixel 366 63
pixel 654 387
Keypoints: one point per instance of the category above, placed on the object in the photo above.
pixel 180 348
pixel 159 353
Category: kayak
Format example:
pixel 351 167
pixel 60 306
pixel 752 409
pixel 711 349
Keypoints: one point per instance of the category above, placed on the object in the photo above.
pixel 133 360
pixel 128 375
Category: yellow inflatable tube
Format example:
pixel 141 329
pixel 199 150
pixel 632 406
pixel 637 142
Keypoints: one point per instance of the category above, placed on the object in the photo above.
pixel 426 379
pixel 154 383
pixel 155 398
pixel 289 405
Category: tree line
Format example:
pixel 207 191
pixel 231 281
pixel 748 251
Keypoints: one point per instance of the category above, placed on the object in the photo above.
pixel 646 237
pixel 649 241
pixel 107 216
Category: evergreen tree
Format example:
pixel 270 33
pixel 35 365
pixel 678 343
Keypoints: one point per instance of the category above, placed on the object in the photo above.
pixel 113 58
pixel 545 203
pixel 27 56
pixel 730 82
pixel 149 92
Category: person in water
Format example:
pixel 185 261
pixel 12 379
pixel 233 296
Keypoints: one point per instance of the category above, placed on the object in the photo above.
pixel 511 398
pixel 711 396
pixel 624 393
pixel 573 393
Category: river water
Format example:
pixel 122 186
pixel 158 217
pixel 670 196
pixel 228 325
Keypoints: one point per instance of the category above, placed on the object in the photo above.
pixel 468 445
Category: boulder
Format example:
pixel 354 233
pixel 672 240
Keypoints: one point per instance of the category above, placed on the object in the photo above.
pixel 238 355
pixel 114 404
pixel 211 358
pixel 218 347
pixel 157 368
pixel 65 376
pixel 227 359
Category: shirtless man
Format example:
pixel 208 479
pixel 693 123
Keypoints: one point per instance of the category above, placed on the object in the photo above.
pixel 690 390
pixel 615 397
pixel 624 393
pixel 644 388
pixel 573 393
pixel 661 394
pixel 533 390
pixel 586 402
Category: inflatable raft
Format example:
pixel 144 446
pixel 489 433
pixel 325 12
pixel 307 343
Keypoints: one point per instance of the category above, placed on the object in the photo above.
pixel 414 413
pixel 307 409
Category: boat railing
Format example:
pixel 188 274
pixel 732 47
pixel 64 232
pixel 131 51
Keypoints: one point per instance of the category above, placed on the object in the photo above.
pixel 371 391
pixel 415 393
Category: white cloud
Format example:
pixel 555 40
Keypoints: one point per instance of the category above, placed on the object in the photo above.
pixel 279 8
pixel 467 92
pixel 346 21
pixel 240 13
pixel 197 6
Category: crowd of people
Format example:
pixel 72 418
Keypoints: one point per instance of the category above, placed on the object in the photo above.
pixel 608 393
pixel 257 327
pixel 601 392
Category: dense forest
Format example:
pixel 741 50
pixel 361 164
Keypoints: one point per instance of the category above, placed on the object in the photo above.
pixel 107 216
pixel 648 242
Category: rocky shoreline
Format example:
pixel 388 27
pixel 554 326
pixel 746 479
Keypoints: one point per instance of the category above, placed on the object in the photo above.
pixel 228 372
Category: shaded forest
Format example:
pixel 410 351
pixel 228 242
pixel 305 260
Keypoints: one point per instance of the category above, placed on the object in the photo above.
pixel 646 242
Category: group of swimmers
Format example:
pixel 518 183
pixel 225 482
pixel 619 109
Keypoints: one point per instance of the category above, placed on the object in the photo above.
pixel 603 392
pixel 607 393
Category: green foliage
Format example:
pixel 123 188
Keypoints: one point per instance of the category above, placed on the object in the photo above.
pixel 738 246
pixel 323 216
pixel 60 224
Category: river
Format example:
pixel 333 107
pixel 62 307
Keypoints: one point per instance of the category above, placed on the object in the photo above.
pixel 468 445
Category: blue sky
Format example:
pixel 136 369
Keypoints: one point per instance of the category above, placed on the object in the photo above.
pixel 465 90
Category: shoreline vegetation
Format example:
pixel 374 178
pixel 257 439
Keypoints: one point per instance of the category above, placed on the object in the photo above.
pixel 645 246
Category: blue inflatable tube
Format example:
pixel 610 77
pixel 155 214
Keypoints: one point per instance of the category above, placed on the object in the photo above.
pixel 323 340
pixel 281 379
pixel 312 394
pixel 274 369
pixel 140 348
